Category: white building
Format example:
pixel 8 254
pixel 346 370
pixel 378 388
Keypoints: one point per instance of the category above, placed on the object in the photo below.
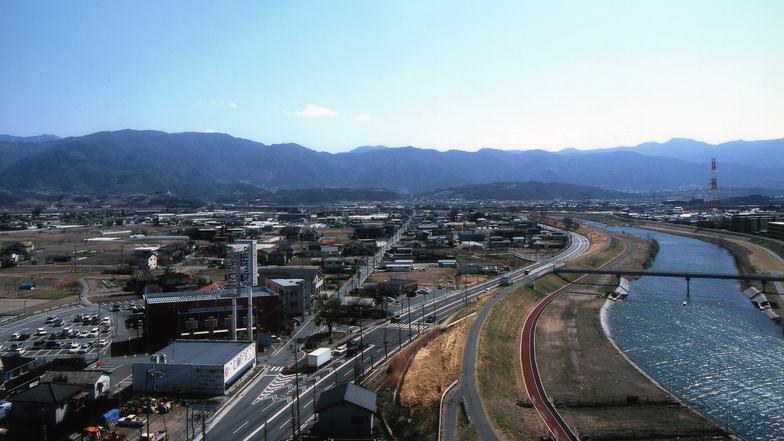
pixel 195 366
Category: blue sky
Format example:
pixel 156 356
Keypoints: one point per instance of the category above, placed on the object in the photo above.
pixel 334 75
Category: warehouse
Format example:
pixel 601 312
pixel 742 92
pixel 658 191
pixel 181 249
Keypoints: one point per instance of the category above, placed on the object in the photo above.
pixel 195 366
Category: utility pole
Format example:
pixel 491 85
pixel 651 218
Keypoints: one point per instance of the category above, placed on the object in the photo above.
pixel 296 378
pixel 409 318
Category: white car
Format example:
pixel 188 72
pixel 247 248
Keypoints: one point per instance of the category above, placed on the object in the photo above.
pixel 40 331
pixel 103 342
pixel 73 350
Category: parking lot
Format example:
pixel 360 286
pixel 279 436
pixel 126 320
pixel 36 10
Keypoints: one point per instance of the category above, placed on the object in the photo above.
pixel 85 331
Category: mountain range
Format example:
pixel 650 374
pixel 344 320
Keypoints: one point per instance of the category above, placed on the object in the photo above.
pixel 208 165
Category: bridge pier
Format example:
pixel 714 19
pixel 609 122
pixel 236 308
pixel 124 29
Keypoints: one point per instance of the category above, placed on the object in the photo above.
pixel 687 286
pixel 764 284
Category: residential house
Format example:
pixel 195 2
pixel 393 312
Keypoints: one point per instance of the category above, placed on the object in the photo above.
pixel 14 367
pixel 46 404
pixel 346 411
pixel 146 258
pixel 333 264
pixel 277 258
pixel 95 383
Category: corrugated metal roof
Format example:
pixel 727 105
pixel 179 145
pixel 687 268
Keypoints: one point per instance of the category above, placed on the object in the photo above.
pixel 192 296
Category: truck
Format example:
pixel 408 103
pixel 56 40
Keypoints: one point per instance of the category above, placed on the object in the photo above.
pixel 319 357
pixel 506 280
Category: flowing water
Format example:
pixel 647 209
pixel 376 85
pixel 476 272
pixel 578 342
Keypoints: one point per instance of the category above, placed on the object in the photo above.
pixel 718 353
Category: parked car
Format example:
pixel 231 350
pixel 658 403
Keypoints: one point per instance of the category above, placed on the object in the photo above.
pixel 51 319
pixel 41 331
pixel 39 344
pixel 19 351
pixel 103 342
pixel 115 307
pixel 131 421
pixel 53 345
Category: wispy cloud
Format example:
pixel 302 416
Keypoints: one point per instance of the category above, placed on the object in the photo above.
pixel 312 110
pixel 214 103
pixel 210 131
pixel 362 118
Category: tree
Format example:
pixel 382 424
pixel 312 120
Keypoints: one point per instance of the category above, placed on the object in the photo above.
pixel 71 285
pixel 568 223
pixel 328 311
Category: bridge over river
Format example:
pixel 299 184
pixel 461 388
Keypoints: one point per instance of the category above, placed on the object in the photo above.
pixel 763 278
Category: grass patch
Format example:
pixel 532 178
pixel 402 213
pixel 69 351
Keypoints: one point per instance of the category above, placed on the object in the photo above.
pixel 50 295
pixel 498 360
pixel 773 245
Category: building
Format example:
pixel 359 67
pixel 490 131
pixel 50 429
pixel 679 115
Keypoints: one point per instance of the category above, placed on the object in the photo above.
pixel 292 295
pixel 94 383
pixel 195 366
pixel 776 230
pixel 146 257
pixel 13 368
pixel 311 275
pixel 346 411
pixel 397 287
pixel 46 404
pixel 205 314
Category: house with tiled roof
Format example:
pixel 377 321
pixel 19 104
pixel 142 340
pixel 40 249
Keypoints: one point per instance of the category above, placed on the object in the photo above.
pixel 95 383
pixel 47 403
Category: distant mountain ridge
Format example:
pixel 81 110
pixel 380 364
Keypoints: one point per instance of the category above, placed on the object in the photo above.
pixel 39 138
pixel 212 164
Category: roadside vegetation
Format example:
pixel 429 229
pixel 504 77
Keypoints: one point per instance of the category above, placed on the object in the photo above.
pixel 498 374
pixel 418 375
pixel 773 245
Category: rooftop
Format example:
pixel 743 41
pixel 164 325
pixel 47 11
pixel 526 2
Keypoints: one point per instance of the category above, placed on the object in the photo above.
pixel 202 351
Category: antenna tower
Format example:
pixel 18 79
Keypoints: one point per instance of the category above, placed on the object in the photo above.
pixel 715 203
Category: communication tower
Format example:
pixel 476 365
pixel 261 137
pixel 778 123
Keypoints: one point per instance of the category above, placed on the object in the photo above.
pixel 715 203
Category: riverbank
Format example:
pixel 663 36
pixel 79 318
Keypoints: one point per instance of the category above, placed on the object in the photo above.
pixel 749 257
pixel 595 388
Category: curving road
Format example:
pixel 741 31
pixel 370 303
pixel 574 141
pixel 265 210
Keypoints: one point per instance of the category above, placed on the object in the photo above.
pixel 468 390
pixel 533 385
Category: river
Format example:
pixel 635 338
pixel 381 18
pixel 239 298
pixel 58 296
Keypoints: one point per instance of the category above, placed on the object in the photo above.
pixel 718 353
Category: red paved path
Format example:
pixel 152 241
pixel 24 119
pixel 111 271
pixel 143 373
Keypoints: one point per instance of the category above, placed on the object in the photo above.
pixel 554 423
